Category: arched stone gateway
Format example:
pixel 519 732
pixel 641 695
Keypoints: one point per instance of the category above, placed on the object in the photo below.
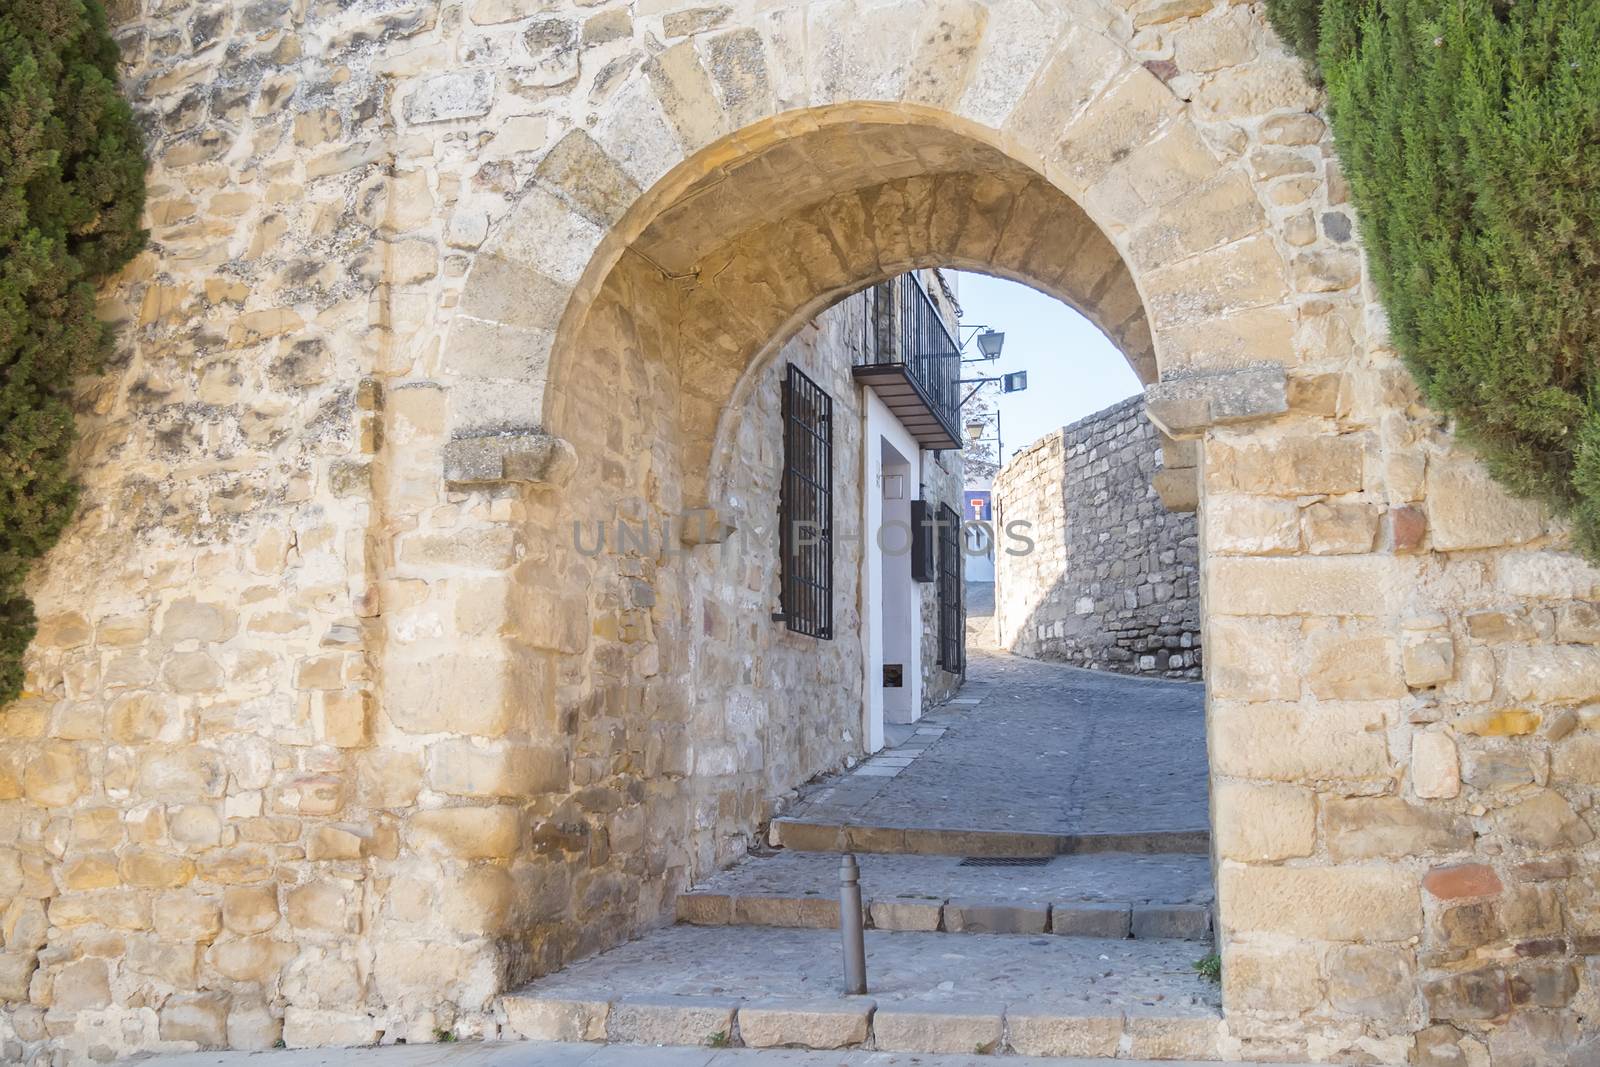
pixel 336 724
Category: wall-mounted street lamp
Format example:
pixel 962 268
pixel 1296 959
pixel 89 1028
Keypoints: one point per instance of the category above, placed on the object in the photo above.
pixel 975 426
pixel 990 342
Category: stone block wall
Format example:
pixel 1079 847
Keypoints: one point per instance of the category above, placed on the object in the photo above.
pixel 320 743
pixel 1113 579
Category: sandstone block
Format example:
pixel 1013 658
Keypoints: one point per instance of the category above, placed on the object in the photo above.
pixel 1046 1032
pixel 905 915
pixel 1556 674
pixel 451 694
pixel 1172 1037
pixel 186 916
pixel 250 909
pixel 478 901
pixel 198 1017
pixel 455 95
pixel 1576 760
pixel 1186 922
pixel 1252 525
pixel 155 870
pixel 462 767
pixel 1321 903
pixel 1185 407
pixel 83 985
pixel 1351 661
pixel 710 909
pixel 910 1027
pixel 978 917
pixel 1263 823
pixel 534 458
pixel 1294 466
pixel 335 843
pixel 1084 918
pixel 175 963
pixel 341 717
pixel 818 1024
pixel 1290 743
pixel 250 959
pixel 543 1018
pixel 55 777
pixel 821 913
pixel 188 619
pixel 321 907
pixel 252 1026
pixel 1373 981
pixel 1468 509
pixel 466 833
pixel 1428 661
pixel 1253 659
pixel 16 973
pixel 1324 585
pixel 1371 827
pixel 1475 995
pixel 1579 622
pixel 1286 979
pixel 669 1020
pixel 1435 765
pixel 1544 820
pixel 312 1028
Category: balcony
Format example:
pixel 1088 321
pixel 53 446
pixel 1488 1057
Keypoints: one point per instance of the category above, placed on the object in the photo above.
pixel 912 361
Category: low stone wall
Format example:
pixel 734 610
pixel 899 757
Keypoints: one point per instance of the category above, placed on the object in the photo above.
pixel 1112 581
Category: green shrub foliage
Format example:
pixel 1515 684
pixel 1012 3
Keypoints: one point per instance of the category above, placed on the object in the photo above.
pixel 71 192
pixel 1470 134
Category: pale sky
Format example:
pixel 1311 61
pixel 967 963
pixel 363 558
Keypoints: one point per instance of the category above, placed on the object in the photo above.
pixel 1073 370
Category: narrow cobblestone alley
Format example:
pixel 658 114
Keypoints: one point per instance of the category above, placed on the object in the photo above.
pixel 1046 749
pixel 1036 880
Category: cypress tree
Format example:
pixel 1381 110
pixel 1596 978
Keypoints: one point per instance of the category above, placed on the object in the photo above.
pixel 71 193
pixel 1470 133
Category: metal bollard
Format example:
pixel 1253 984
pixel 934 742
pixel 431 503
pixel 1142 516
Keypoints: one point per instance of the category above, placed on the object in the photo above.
pixel 855 946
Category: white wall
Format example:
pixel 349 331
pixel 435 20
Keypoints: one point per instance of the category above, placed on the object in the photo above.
pixel 904 705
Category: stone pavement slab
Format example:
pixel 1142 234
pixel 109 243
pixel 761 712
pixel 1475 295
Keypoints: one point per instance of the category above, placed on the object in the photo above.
pixel 1081 976
pixel 1160 878
pixel 554 1054
pixel 1049 749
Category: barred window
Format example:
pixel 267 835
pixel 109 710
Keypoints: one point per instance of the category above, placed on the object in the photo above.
pixel 805 507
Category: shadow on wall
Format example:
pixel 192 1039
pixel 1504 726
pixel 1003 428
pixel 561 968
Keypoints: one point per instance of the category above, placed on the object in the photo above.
pixel 1112 581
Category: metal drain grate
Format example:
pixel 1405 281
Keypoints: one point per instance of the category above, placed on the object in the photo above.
pixel 1005 861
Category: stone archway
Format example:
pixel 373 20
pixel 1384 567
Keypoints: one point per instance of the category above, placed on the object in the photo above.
pixel 709 191
pixel 635 355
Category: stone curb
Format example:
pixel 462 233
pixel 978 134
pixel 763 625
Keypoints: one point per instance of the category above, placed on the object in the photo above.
pixel 975 1027
pixel 1104 919
pixel 807 836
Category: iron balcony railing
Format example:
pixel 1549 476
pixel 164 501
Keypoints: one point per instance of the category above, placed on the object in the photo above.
pixel 910 357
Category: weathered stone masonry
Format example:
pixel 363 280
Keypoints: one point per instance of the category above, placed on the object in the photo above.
pixel 1113 581
pixel 328 735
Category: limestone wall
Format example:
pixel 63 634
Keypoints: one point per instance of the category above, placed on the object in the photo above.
pixel 1114 581
pixel 329 733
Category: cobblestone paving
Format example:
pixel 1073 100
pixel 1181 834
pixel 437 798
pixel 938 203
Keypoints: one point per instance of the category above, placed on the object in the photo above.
pixel 1048 749
pixel 1075 976
pixel 1171 878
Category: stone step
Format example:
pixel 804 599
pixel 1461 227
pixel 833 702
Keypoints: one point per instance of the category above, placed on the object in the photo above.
pixel 1091 895
pixel 763 987
pixel 823 835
